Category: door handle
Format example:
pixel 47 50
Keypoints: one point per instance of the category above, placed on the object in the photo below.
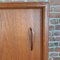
pixel 31 38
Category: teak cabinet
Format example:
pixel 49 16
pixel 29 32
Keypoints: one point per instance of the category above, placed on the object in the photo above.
pixel 23 31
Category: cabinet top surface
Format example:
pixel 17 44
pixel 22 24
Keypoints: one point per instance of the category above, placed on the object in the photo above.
pixel 23 4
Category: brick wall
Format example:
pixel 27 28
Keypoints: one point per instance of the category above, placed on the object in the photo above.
pixel 54 30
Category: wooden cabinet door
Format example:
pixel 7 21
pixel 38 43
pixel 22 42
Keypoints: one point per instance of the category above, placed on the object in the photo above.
pixel 21 32
pixel 20 37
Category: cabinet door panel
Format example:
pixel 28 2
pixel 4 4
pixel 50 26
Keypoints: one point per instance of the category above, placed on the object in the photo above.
pixel 15 38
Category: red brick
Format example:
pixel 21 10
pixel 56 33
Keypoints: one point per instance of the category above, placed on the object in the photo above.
pixel 57 38
pixel 56 58
pixel 56 44
pixel 53 21
pixel 54 54
pixel 59 21
pixel 57 34
pixel 57 49
pixel 59 44
pixel 50 33
pixel 51 27
pixel 51 49
pixel 54 2
pixel 50 59
pixel 54 15
pixel 51 38
pixel 51 9
pixel 57 9
pixel 54 9
pixel 51 44
pixel 57 27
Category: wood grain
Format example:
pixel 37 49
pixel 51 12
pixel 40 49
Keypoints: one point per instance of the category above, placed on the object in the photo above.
pixel 22 5
pixel 14 38
pixel 14 25
pixel 45 33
